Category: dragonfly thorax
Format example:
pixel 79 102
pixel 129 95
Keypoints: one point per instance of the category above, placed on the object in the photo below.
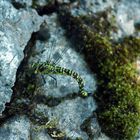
pixel 44 67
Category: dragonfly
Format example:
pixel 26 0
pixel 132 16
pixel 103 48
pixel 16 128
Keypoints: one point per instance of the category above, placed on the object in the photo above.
pixel 52 68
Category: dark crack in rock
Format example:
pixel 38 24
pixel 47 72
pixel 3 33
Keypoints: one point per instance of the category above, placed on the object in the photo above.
pixel 17 23
pixel 16 27
pixel 58 48
pixel 21 3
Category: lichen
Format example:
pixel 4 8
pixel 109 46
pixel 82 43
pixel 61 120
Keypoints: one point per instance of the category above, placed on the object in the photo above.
pixel 118 89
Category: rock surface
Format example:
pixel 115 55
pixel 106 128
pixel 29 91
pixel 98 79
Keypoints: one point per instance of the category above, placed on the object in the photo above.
pixel 16 27
pixel 71 112
pixel 24 3
pixel 126 13
pixel 17 128
pixel 70 115
pixel 57 48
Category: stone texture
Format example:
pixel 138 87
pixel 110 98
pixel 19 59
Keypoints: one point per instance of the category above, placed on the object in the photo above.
pixel 127 15
pixel 43 2
pixel 27 3
pixel 70 115
pixel 93 6
pixel 16 27
pixel 17 128
pixel 53 50
pixel 71 112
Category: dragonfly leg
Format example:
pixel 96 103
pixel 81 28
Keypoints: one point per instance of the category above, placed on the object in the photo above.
pixel 43 79
pixel 54 80
pixel 60 56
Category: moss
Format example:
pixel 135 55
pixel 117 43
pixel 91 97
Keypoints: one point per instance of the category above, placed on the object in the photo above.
pixel 137 26
pixel 102 23
pixel 113 62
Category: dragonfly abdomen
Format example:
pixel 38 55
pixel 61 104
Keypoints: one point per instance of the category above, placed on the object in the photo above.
pixel 75 75
pixel 48 68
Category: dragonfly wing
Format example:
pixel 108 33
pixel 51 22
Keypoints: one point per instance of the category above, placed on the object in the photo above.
pixel 59 56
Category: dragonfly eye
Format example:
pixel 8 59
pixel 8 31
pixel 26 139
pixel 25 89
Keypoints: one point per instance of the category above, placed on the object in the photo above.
pixel 33 65
pixel 41 68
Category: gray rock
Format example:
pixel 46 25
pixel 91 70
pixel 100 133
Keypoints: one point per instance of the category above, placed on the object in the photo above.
pixel 17 128
pixel 26 3
pixel 138 136
pixel 96 130
pixel 58 48
pixel 127 14
pixel 43 2
pixel 16 27
pixel 70 115
pixel 39 135
pixel 64 1
pixel 92 6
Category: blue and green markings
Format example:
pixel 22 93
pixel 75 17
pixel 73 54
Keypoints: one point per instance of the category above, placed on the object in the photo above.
pixel 51 68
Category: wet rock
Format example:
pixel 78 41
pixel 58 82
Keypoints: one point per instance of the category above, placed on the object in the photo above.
pixel 16 27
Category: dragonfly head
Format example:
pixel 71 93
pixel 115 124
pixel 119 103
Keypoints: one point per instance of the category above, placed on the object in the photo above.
pixel 35 67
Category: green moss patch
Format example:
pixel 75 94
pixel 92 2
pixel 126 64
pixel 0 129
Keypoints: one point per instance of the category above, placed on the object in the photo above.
pixel 118 92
